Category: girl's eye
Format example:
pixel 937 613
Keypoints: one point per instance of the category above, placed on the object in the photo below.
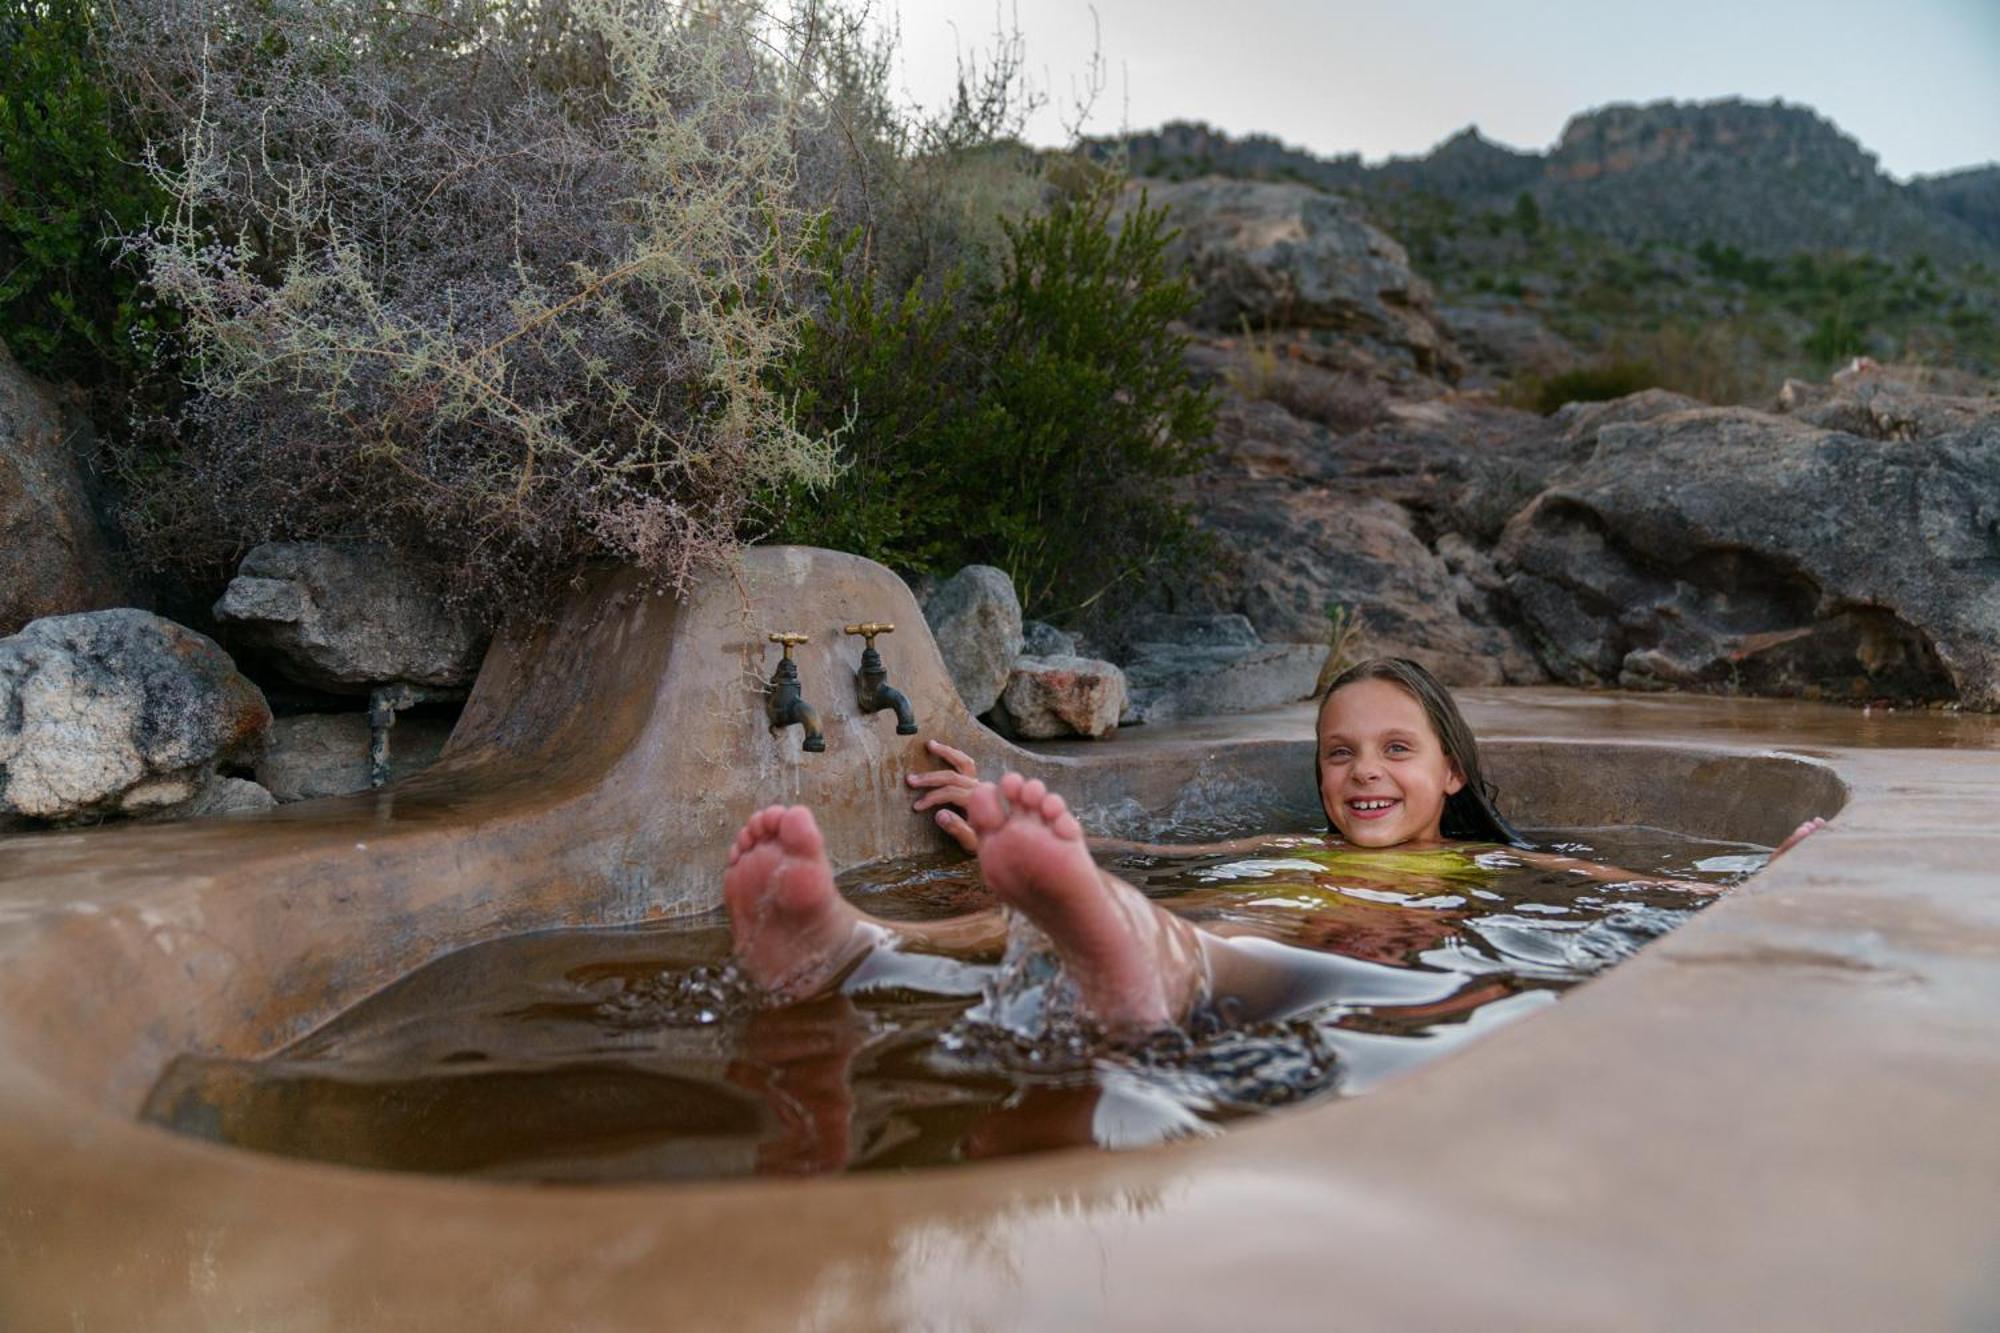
pixel 1337 754
pixel 1398 747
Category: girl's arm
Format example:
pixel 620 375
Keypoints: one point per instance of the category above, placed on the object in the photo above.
pixel 946 789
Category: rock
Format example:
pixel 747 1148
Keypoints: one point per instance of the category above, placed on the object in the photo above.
pixel 1272 254
pixel 1047 697
pixel 1170 682
pixel 1580 423
pixel 1160 629
pixel 1505 342
pixel 1735 549
pixel 1041 639
pixel 976 619
pixel 54 556
pixel 1294 552
pixel 218 796
pixel 117 712
pixel 326 754
pixel 348 618
pixel 1886 403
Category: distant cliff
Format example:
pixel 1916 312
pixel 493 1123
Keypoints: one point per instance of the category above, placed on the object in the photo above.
pixel 1768 179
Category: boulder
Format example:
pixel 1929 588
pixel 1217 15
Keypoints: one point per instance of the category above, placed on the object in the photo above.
pixel 1047 697
pixel 1169 682
pixel 218 796
pixel 348 618
pixel 1293 552
pixel 1734 549
pixel 1275 254
pixel 326 754
pixel 1885 403
pixel 117 712
pixel 54 556
pixel 976 619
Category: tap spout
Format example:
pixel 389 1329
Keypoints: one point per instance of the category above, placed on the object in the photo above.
pixel 786 704
pixel 888 696
pixel 873 690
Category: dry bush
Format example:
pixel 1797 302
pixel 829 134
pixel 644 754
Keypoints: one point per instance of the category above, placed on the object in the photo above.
pixel 500 283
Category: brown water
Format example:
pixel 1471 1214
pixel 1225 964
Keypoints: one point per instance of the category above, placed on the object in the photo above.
pixel 635 1054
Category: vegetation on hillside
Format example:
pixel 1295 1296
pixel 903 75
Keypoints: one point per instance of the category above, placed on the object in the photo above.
pixel 518 285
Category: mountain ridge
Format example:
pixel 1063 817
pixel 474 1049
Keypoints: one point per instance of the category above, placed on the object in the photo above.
pixel 1765 178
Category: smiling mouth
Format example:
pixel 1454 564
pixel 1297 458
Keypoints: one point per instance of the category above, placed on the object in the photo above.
pixel 1373 807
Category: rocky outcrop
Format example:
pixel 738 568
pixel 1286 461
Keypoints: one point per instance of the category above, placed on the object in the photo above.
pixel 117 713
pixel 1729 548
pixel 1270 254
pixel 348 619
pixel 1305 519
pixel 975 617
pixel 54 556
pixel 1049 697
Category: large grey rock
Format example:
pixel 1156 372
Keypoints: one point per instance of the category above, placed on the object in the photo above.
pixel 348 618
pixel 1170 682
pixel 326 754
pixel 1275 254
pixel 54 557
pixel 1735 549
pixel 117 712
pixel 1048 697
pixel 976 619
pixel 1293 552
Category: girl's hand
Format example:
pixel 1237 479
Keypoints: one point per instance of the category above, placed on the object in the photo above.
pixel 1799 835
pixel 948 788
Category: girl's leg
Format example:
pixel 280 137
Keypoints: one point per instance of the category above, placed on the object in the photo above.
pixel 1137 966
pixel 795 934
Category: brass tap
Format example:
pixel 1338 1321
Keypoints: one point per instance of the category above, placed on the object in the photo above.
pixel 873 691
pixel 786 702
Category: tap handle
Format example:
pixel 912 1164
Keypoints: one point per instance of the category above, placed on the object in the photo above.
pixel 789 640
pixel 868 629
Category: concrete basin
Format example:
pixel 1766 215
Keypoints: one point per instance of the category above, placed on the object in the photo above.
pixel 1779 1116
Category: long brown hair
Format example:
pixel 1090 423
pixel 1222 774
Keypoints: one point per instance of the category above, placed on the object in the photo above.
pixel 1469 812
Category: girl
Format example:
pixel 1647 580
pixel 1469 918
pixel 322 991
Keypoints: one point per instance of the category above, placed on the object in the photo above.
pixel 1399 780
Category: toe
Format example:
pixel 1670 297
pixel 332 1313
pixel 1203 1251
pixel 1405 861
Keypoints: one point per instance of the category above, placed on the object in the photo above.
pixel 798 833
pixel 1031 794
pixel 1054 807
pixel 983 808
pixel 1010 786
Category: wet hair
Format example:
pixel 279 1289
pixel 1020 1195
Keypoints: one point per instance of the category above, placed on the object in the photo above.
pixel 1469 813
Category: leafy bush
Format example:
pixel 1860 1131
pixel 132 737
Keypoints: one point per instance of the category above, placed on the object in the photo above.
pixel 69 183
pixel 498 282
pixel 1033 420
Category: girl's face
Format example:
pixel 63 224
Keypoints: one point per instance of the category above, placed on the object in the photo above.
pixel 1383 775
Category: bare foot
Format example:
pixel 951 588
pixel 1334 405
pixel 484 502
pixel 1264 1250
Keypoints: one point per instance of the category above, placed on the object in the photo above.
pixel 1136 968
pixel 794 933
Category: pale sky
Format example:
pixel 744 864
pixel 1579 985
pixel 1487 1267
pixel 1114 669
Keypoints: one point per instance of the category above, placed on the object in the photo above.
pixel 1916 82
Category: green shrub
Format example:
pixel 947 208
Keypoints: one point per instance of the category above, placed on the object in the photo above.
pixel 70 184
pixel 1034 420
